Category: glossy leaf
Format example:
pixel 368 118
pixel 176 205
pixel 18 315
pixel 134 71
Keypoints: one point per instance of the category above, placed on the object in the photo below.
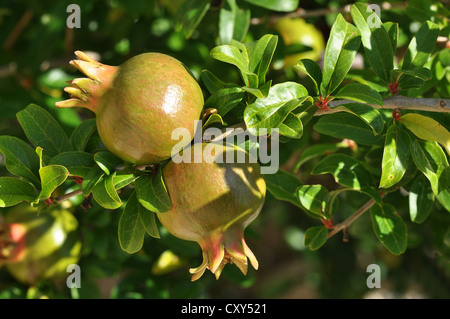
pixel 212 82
pixel 93 176
pixel 396 156
pixel 346 170
pixel 313 199
pixel 80 136
pixel 421 200
pixel 340 52
pixel 148 220
pixel 233 22
pixel 283 186
pixel 225 99
pixel 428 129
pixel 315 151
pixel 421 46
pixel 152 193
pixel 343 125
pixel 122 179
pixel 106 161
pixel 376 41
pixel 444 199
pixel 261 92
pixel 359 93
pixel 78 163
pixel 14 191
pixel 232 55
pixel 276 5
pixel 402 76
pixel 389 228
pixel 190 14
pixel 51 177
pixel 131 230
pixel 312 69
pixel 392 30
pixel 20 158
pixel 368 114
pixel 316 237
pixel 260 55
pixel 43 130
pixel 271 111
pixel 292 126
pixel 430 159
pixel 105 193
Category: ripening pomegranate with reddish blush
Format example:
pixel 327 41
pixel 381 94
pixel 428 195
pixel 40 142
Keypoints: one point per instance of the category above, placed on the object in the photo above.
pixel 137 104
pixel 213 201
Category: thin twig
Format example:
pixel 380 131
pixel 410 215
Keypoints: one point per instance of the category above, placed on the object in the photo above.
pixel 15 33
pixel 398 102
pixel 346 223
pixel 67 196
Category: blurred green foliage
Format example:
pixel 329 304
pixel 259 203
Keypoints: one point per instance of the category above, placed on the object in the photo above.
pixel 36 48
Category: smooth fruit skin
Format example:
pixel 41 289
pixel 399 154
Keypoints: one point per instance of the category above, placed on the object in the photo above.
pixel 212 204
pixel 138 104
pixel 44 244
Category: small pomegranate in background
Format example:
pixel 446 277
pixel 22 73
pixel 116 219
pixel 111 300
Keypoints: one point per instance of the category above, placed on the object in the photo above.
pixel 37 247
pixel 137 104
pixel 213 201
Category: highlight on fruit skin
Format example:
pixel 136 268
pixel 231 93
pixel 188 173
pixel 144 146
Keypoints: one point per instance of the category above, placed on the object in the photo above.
pixel 213 201
pixel 137 104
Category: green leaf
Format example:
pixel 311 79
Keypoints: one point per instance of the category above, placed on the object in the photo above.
pixel 78 163
pixel 43 130
pixel 376 40
pixel 131 230
pixel 261 54
pixel 232 55
pixel 213 118
pixel 389 228
pixel 233 22
pixel 225 99
pixel 316 237
pixel 190 14
pixel 148 221
pixel 360 93
pixel 152 193
pixel 421 46
pixel 346 170
pixel 14 191
pixel 421 200
pixel 444 199
pixel 396 156
pixel 427 129
pixel 430 159
pixel 343 43
pixel 313 198
pixel 312 69
pixel 276 5
pixel 271 111
pixel 20 158
pixel 292 126
pixel 122 179
pixel 80 136
pixel 402 76
pixel 51 177
pixel 366 113
pixel 105 193
pixel 107 161
pixel 343 125
pixel 93 176
pixel 392 30
pixel 212 82
pixel 283 186
pixel 315 151
pixel 261 92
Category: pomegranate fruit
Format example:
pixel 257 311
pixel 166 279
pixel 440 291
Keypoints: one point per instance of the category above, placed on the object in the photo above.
pixel 35 247
pixel 213 201
pixel 137 104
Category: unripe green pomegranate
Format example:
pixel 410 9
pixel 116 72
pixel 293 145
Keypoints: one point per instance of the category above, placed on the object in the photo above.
pixel 137 104
pixel 36 247
pixel 213 201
